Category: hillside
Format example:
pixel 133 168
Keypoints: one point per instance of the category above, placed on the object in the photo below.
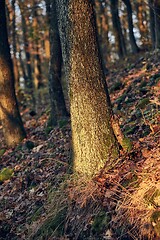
pixel 41 200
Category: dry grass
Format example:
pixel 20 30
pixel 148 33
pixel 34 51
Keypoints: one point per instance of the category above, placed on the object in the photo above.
pixel 136 205
pixel 71 208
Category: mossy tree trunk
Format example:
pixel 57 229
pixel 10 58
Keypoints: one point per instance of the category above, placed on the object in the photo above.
pixel 94 143
pixel 9 114
pixel 58 106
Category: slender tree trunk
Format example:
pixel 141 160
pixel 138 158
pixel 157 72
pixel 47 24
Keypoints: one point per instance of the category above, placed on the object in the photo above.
pixel 103 29
pixel 105 25
pixel 21 63
pixel 142 23
pixel 29 83
pixel 94 143
pixel 123 20
pixel 37 61
pixel 15 62
pixel 47 45
pixel 152 23
pixel 58 106
pixel 157 23
pixel 38 83
pixel 120 42
pixel 132 39
pixel 9 114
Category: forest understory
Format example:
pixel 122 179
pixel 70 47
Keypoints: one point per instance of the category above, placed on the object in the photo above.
pixel 41 199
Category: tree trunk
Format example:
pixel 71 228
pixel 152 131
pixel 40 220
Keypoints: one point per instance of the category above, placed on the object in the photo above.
pixel 152 23
pixel 103 29
pixel 38 82
pixel 29 83
pixel 21 63
pixel 15 62
pixel 58 106
pixel 94 143
pixel 9 114
pixel 120 42
pixel 132 39
pixel 142 23
pixel 157 22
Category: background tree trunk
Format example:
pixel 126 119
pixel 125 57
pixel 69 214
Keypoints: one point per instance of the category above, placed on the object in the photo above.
pixel 152 23
pixel 121 47
pixel 15 62
pixel 58 106
pixel 94 143
pixel 24 18
pixel 157 22
pixel 9 114
pixel 132 39
pixel 142 22
pixel 38 79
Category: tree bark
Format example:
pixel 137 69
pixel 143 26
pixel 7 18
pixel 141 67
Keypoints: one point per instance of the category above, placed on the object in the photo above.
pixel 120 42
pixel 142 23
pixel 103 29
pixel 152 23
pixel 9 114
pixel 157 23
pixel 15 62
pixel 58 106
pixel 94 143
pixel 29 83
pixel 21 63
pixel 132 39
pixel 38 80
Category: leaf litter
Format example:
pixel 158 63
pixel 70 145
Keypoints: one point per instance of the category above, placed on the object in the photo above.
pixel 127 192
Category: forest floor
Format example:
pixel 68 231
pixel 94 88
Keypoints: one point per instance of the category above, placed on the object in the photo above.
pixel 123 203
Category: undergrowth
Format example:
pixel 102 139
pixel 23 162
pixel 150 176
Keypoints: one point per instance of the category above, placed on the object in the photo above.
pixel 121 204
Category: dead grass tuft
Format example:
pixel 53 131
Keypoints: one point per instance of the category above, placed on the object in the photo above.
pixel 71 209
pixel 136 212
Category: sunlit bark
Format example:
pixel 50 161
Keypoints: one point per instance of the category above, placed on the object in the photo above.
pixel 94 144
pixel 9 114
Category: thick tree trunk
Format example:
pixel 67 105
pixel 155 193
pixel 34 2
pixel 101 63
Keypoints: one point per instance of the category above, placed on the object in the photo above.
pixel 94 143
pixel 120 42
pixel 9 114
pixel 132 39
pixel 58 106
